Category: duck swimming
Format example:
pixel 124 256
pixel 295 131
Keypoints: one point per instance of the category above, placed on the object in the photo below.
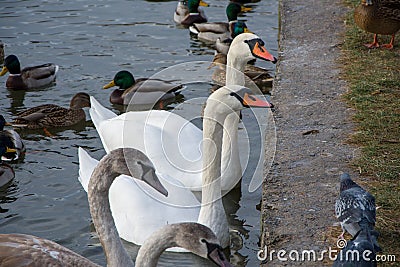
pixel 50 115
pixel 141 91
pixel 29 77
pixel 211 31
pixel 188 12
pixel 10 139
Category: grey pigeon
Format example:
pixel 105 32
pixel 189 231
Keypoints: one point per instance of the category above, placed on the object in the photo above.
pixel 359 252
pixel 355 209
pixel 353 205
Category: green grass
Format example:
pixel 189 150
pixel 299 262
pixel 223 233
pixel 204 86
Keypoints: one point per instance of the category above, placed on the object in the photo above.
pixel 373 78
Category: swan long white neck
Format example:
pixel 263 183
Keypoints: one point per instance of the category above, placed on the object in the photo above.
pixel 102 218
pixel 212 212
pixel 235 68
pixel 231 168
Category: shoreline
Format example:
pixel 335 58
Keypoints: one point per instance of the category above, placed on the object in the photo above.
pixel 312 122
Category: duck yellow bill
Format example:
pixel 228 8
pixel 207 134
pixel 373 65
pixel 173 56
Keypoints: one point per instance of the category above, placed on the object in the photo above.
pixel 245 9
pixel 3 71
pixel 261 52
pixel 202 3
pixel 109 85
pixel 253 101
pixel 247 30
pixel 11 150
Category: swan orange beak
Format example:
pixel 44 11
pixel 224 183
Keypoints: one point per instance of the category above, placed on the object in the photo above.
pixel 261 52
pixel 109 85
pixel 253 101
pixel 3 71
pixel 202 3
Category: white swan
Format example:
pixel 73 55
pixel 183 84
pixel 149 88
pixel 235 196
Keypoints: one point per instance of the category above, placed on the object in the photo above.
pixel 26 250
pixel 148 130
pixel 138 213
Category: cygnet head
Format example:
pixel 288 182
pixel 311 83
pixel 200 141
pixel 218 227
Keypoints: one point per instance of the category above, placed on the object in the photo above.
pixel 200 240
pixel 248 46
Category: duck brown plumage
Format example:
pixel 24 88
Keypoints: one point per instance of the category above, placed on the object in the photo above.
pixel 379 17
pixel 50 115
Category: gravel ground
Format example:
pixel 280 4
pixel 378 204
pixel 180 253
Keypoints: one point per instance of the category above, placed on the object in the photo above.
pixel 312 124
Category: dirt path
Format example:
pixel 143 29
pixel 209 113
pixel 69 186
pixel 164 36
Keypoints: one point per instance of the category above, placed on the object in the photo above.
pixel 302 185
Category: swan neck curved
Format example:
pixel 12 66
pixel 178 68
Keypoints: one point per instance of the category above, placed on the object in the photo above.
pixel 150 252
pixel 99 204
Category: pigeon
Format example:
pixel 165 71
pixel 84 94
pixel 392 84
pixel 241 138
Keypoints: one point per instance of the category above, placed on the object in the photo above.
pixel 355 209
pixel 359 252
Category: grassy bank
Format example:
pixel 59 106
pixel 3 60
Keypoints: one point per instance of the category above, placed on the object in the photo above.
pixel 373 78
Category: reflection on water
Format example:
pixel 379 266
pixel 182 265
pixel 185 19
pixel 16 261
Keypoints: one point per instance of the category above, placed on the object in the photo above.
pixel 91 41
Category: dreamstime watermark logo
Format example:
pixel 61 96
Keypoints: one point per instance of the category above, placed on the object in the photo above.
pixel 173 139
pixel 341 253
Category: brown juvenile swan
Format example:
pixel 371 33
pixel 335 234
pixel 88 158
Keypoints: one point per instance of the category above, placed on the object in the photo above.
pixel 26 250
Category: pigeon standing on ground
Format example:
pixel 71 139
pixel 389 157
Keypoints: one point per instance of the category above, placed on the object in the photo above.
pixel 356 211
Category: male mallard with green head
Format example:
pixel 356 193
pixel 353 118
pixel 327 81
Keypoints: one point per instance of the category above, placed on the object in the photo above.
pixel 29 77
pixel 211 31
pixel 379 17
pixel 50 115
pixel 143 91
pixel 188 12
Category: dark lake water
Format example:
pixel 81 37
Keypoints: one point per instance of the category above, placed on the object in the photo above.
pixel 91 41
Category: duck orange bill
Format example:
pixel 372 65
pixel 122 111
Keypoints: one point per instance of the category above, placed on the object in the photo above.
pixel 261 52
pixel 253 101
pixel 109 85
pixel 202 3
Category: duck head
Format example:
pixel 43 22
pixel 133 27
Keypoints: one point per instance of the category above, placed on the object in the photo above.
pixel 12 65
pixel 123 79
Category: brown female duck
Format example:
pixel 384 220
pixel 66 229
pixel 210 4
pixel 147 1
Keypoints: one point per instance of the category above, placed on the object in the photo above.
pixel 379 17
pixel 50 115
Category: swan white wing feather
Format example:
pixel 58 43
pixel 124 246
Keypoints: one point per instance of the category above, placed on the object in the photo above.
pixel 171 142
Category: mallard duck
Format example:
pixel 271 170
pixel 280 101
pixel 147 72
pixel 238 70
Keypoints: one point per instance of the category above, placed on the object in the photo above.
pixel 254 75
pixel 11 140
pixel 379 17
pixel 222 45
pixel 141 91
pixel 50 115
pixel 29 77
pixel 211 31
pixel 188 12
